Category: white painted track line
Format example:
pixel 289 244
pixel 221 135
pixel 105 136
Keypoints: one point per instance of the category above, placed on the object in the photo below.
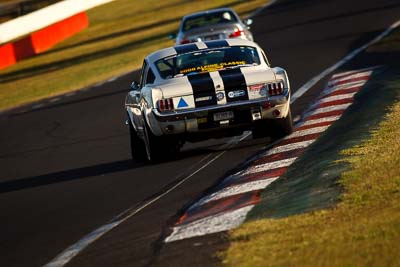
pixel 112 79
pixel 73 250
pixel 38 106
pixel 55 99
pixel 302 90
pixel 70 94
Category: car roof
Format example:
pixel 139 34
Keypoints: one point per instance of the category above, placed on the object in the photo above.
pixel 210 11
pixel 171 51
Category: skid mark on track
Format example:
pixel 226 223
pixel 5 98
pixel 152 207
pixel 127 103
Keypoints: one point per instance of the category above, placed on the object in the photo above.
pixel 228 205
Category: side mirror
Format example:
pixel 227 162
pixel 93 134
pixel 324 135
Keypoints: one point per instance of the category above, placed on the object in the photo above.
pixel 134 86
pixel 172 36
pixel 248 22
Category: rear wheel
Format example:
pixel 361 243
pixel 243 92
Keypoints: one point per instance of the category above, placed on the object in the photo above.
pixel 160 147
pixel 138 149
pixel 282 127
pixel 260 129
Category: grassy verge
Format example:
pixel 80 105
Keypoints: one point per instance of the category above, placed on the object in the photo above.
pixel 120 35
pixel 300 222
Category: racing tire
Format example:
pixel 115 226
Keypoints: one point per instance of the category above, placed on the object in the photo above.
pixel 282 127
pixel 138 149
pixel 159 148
pixel 260 130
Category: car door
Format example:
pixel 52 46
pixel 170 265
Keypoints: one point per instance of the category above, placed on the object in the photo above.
pixel 134 100
pixel 143 95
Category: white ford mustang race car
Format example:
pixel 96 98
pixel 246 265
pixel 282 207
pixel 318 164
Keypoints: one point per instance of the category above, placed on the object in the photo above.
pixel 205 90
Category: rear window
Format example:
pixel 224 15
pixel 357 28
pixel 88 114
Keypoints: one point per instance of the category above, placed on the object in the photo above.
pixel 208 19
pixel 207 61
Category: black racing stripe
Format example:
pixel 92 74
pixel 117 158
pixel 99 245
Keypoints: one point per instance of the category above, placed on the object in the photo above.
pixel 203 89
pixel 235 82
pixel 186 48
pixel 216 43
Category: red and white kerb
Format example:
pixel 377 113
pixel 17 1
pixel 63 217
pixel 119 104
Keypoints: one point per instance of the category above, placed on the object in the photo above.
pixel 227 206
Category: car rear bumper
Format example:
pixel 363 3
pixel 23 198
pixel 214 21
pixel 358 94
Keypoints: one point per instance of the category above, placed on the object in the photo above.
pixel 198 120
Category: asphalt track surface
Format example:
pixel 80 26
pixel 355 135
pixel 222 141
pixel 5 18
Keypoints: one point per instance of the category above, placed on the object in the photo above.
pixel 66 169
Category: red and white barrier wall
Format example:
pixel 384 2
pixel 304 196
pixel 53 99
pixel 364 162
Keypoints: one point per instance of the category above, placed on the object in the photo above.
pixel 42 29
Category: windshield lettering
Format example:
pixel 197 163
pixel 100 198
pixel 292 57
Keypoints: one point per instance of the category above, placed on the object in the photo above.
pixel 207 61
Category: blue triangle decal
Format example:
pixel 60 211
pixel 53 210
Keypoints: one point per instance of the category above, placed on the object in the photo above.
pixel 182 103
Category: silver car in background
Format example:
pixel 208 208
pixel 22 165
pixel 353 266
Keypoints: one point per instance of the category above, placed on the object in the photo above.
pixel 215 24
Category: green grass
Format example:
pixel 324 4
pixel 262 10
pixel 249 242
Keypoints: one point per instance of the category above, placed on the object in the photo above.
pixel 339 205
pixel 120 35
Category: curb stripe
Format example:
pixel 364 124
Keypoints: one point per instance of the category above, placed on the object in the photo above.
pixel 342 88
pixel 234 190
pixel 294 153
pixel 362 76
pixel 336 97
pixel 320 124
pixel 221 206
pixel 288 147
pixel 327 109
pixel 240 179
pixel 210 225
pixel 344 91
pixel 324 119
pixel 350 80
pixel 269 166
pixel 347 73
pixel 300 138
pixel 334 103
pixel 327 114
pixel 306 132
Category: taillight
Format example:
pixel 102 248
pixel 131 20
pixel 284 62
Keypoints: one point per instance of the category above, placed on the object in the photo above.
pixel 166 104
pixel 236 33
pixel 258 90
pixel 275 88
pixel 185 41
pixel 256 87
